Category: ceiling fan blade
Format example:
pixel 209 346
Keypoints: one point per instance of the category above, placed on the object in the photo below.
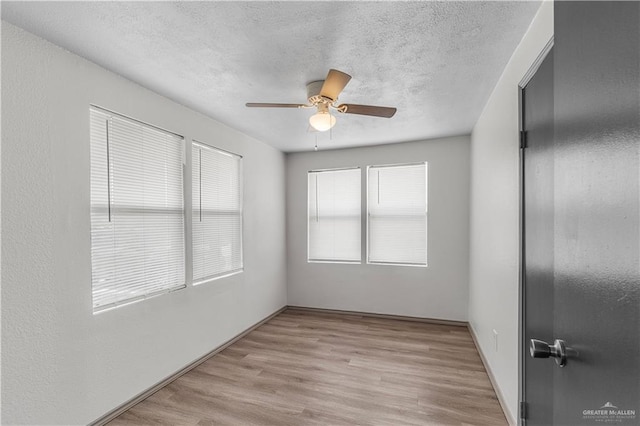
pixel 334 83
pixel 265 105
pixel 375 111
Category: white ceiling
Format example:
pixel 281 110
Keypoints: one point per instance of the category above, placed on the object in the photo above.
pixel 437 62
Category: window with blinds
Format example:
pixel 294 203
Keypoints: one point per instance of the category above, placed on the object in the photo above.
pixel 334 204
pixel 217 212
pixel 137 210
pixel 397 214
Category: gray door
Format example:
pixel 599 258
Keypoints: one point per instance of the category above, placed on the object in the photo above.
pixel 593 215
pixel 538 237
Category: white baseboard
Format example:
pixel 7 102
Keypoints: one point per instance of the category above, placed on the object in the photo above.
pixel 106 418
pixel 503 402
pixel 155 388
pixel 374 315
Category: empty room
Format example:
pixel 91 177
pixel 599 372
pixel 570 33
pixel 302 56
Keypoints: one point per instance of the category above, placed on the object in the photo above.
pixel 320 213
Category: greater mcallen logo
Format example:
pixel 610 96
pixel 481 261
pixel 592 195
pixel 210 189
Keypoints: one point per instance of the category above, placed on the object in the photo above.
pixel 609 413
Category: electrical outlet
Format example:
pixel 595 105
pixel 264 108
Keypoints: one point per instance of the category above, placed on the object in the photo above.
pixel 495 339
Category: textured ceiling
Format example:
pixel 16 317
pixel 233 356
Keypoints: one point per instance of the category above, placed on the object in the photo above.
pixel 437 62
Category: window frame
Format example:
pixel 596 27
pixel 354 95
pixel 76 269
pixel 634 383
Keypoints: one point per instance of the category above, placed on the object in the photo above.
pixel 368 215
pixel 308 216
pixel 182 141
pixel 194 144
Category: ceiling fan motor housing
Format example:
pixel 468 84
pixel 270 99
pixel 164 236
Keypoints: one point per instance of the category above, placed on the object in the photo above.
pixel 313 93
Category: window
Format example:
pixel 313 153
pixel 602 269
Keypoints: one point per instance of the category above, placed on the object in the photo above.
pixel 217 213
pixel 397 214
pixel 137 214
pixel 334 204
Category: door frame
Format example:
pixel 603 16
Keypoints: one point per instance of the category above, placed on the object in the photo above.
pixel 522 354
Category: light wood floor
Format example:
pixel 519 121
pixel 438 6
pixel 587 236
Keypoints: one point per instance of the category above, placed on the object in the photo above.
pixel 308 368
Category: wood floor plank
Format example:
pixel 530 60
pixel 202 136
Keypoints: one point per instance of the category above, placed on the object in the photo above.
pixel 321 368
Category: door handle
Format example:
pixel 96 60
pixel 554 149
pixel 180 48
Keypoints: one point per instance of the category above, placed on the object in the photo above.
pixel 540 349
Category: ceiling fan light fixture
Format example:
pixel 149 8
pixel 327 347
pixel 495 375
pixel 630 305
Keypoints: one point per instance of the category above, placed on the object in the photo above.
pixel 322 121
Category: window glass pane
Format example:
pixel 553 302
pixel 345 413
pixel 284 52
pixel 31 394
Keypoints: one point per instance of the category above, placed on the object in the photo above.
pixel 137 218
pixel 397 214
pixel 217 212
pixel 334 200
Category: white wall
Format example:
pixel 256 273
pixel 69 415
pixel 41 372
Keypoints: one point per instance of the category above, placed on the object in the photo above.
pixel 438 291
pixel 61 363
pixel 494 263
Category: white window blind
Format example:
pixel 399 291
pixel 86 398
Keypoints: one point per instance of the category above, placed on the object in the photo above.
pixel 334 204
pixel 397 214
pixel 137 210
pixel 217 212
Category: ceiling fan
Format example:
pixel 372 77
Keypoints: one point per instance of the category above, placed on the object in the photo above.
pixel 323 95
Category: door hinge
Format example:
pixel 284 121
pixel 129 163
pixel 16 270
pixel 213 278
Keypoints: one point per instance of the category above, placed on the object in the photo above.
pixel 523 139
pixel 523 410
